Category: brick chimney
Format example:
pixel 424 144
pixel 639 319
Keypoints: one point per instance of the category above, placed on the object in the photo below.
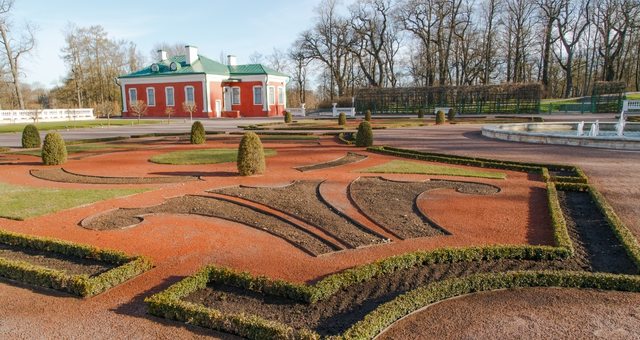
pixel 191 54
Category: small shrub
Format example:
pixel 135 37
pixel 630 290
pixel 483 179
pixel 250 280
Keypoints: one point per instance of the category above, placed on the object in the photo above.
pixel 451 115
pixel 251 155
pixel 54 151
pixel 367 116
pixel 198 135
pixel 31 137
pixel 364 137
pixel 421 113
pixel 287 117
pixel 440 117
pixel 342 119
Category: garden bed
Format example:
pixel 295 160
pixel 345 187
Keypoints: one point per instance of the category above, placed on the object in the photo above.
pixel 302 200
pixel 351 157
pixel 64 176
pixel 219 208
pixel 393 205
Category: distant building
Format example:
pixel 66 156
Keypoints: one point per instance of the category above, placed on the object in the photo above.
pixel 217 90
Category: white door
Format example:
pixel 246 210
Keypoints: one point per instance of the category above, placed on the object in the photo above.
pixel 218 107
pixel 227 98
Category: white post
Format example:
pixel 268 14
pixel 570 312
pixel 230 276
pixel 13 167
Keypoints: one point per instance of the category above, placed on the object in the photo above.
pixel 335 110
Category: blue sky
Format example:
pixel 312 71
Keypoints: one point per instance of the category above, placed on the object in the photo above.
pixel 235 27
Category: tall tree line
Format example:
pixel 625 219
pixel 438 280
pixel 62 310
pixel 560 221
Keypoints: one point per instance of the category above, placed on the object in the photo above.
pixel 566 45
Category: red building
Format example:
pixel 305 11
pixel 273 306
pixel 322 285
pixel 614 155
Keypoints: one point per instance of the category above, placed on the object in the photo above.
pixel 217 90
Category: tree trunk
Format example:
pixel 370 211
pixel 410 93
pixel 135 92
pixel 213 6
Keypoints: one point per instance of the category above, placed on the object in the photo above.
pixel 13 64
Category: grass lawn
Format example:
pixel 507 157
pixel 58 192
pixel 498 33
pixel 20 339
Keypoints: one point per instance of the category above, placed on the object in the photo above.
pixel 633 96
pixel 78 148
pixel 202 156
pixel 19 202
pixel 78 124
pixel 404 167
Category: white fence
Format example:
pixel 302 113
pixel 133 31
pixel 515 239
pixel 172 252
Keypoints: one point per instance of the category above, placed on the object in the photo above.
pixel 630 105
pixel 298 111
pixel 53 115
pixel 349 111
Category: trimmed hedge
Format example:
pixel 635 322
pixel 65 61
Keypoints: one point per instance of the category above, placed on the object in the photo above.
pixel 31 137
pixel 388 313
pixel 421 112
pixel 342 119
pixel 251 155
pixel 54 150
pixel 82 285
pixel 288 118
pixel 198 135
pixel 347 138
pixel 451 115
pixel 364 136
pixel 440 118
pixel 367 115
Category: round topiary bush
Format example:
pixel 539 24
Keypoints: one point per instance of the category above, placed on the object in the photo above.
pixel 287 117
pixel 198 135
pixel 367 116
pixel 54 150
pixel 31 137
pixel 342 119
pixel 451 115
pixel 421 113
pixel 364 137
pixel 440 117
pixel 251 155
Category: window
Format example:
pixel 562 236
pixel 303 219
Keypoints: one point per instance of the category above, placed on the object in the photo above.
pixel 151 96
pixel 133 96
pixel 272 95
pixel 280 95
pixel 189 95
pixel 257 95
pixel 235 96
pixel 168 91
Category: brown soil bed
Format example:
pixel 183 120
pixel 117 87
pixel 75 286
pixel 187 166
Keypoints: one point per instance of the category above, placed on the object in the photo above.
pixel 393 206
pixel 68 264
pixel 302 199
pixel 596 250
pixel 351 157
pixel 214 207
pixel 64 176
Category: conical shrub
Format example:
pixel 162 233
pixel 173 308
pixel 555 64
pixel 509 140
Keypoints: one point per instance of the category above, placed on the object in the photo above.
pixel 54 150
pixel 367 115
pixel 31 137
pixel 421 112
pixel 251 155
pixel 198 135
pixel 364 137
pixel 287 117
pixel 342 119
pixel 440 118
pixel 451 115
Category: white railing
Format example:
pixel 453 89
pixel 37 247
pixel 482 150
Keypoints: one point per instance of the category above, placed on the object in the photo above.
pixel 349 111
pixel 630 105
pixel 298 111
pixel 49 115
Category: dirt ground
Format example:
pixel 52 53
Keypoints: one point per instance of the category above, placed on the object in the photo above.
pixel 179 244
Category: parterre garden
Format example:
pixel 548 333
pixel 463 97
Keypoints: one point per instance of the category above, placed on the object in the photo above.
pixel 329 240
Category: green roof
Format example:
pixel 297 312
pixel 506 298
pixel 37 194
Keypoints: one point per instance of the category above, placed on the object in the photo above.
pixel 200 66
pixel 252 69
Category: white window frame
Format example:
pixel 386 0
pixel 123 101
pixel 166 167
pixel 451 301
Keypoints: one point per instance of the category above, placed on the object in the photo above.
pixel 235 100
pixel 153 92
pixel 135 94
pixel 186 94
pixel 261 102
pixel 280 95
pixel 272 95
pixel 173 96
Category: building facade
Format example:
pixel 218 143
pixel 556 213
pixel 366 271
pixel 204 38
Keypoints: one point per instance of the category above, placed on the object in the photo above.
pixel 209 89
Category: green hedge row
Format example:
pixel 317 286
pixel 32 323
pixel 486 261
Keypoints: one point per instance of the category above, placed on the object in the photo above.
pixel 386 314
pixel 82 285
pixel 624 235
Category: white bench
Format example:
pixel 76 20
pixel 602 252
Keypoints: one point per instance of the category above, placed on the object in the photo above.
pixel 628 105
pixel 443 109
pixel 298 111
pixel 349 111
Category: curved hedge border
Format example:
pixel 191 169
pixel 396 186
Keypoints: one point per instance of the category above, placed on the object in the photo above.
pixel 82 285
pixel 169 304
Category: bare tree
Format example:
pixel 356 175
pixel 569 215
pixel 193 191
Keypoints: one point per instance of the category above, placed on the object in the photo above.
pixel 169 111
pixel 571 24
pixel 139 108
pixel 299 74
pixel 172 49
pixel 190 107
pixel 256 58
pixel 14 48
pixel 550 10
